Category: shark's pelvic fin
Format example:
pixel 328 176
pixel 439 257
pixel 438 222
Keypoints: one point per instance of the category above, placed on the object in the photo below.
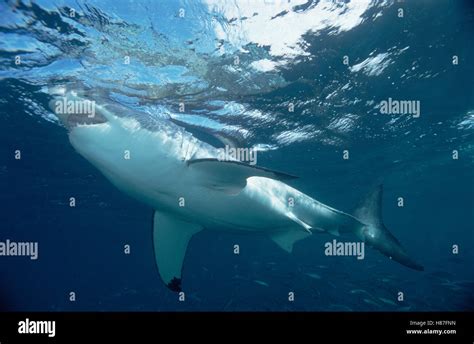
pixel 231 176
pixel 170 240
pixel 287 239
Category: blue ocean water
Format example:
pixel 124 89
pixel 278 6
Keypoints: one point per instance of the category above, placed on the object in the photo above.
pixel 239 67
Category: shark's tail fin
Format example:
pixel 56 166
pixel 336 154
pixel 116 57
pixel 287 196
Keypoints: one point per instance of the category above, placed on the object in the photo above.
pixel 377 235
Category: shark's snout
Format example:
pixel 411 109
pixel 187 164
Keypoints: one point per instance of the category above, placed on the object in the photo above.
pixel 73 110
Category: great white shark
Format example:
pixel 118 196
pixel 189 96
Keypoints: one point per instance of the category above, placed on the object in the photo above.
pixel 190 189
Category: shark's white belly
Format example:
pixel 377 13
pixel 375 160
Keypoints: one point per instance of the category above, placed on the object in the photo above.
pixel 183 196
pixel 164 181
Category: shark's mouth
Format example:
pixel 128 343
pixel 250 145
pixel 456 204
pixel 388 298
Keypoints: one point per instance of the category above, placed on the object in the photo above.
pixel 80 119
pixel 73 110
pixel 71 120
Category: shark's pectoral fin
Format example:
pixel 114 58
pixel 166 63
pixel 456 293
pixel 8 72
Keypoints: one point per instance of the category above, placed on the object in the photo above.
pixel 231 176
pixel 287 239
pixel 170 240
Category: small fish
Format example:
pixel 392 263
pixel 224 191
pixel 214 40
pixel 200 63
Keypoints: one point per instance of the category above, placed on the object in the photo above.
pixel 313 275
pixel 370 302
pixel 238 277
pixel 227 305
pixel 360 291
pixel 261 283
pixel 404 309
pixel 452 285
pixel 387 301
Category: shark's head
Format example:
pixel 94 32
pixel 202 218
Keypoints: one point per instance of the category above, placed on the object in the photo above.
pixel 73 107
pixel 375 234
pixel 91 126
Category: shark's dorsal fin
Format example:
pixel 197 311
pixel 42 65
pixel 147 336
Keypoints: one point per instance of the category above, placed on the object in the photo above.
pixel 229 175
pixel 170 240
